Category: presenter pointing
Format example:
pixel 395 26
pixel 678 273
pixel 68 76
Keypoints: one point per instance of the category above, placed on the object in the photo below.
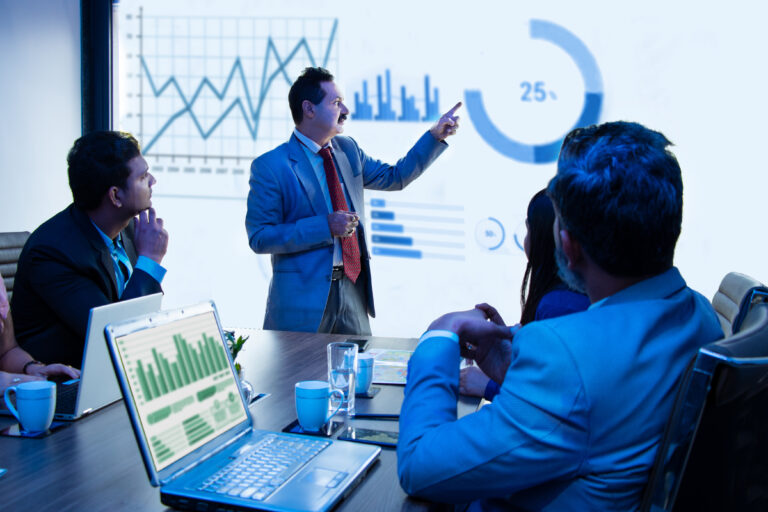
pixel 305 208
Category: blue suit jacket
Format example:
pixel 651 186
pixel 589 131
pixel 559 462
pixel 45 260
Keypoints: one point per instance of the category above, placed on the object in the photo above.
pixel 581 410
pixel 287 218
pixel 65 269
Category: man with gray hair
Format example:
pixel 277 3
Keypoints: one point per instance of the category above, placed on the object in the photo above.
pixel 584 397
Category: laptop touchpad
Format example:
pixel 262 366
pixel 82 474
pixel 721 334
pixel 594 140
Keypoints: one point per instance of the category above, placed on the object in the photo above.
pixel 323 477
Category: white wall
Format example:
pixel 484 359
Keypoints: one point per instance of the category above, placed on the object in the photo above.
pixel 39 107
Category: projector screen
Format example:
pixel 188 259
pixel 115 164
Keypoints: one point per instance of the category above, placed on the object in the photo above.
pixel 203 86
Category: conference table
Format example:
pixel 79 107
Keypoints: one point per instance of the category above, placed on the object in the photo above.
pixel 94 464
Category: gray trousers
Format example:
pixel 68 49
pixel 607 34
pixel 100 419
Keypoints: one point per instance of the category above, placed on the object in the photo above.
pixel 346 311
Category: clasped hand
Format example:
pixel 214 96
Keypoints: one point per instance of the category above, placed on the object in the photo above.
pixel 343 224
pixel 486 342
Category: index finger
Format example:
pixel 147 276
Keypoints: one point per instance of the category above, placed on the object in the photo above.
pixel 454 109
pixel 152 215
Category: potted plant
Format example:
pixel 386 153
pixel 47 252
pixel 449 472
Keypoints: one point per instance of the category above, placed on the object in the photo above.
pixel 235 345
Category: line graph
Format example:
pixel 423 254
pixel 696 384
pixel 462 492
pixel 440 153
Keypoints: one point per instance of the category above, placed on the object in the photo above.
pixel 251 115
pixel 215 88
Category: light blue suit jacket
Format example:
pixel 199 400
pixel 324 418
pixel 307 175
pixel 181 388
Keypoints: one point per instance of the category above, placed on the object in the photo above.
pixel 579 416
pixel 287 218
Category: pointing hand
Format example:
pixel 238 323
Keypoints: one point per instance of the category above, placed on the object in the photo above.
pixel 447 124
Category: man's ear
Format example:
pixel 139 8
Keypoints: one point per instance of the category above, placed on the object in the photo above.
pixel 113 196
pixel 308 109
pixel 571 248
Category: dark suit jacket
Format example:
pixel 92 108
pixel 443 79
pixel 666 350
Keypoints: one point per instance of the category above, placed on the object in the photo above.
pixel 65 269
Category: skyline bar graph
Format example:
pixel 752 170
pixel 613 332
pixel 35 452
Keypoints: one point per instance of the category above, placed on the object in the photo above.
pixel 162 376
pixel 432 107
pixel 363 109
pixel 385 99
pixel 408 107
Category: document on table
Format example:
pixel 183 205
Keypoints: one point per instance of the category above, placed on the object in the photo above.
pixel 391 366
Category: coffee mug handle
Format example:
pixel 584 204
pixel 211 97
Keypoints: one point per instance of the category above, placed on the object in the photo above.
pixel 10 405
pixel 340 396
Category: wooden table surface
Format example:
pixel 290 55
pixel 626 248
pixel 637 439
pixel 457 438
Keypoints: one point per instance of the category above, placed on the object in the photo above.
pixel 95 464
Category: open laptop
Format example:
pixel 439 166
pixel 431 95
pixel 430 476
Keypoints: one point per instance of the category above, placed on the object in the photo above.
pixel 97 386
pixel 196 435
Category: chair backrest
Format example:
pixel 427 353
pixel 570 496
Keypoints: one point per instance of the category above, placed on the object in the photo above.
pixel 714 453
pixel 729 300
pixel 10 249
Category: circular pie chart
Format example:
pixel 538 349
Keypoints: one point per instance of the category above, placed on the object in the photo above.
pixel 590 113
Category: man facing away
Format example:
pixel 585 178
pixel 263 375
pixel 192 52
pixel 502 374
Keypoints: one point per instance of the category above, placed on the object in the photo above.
pixel 305 208
pixel 584 397
pixel 105 247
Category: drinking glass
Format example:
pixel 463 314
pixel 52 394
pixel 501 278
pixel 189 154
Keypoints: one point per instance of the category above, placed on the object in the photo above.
pixel 342 362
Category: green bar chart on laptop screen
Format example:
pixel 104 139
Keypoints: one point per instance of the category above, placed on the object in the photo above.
pixel 191 363
pixel 181 383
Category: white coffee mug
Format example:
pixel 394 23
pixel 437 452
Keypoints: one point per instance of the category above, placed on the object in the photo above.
pixel 35 404
pixel 312 401
pixel 364 377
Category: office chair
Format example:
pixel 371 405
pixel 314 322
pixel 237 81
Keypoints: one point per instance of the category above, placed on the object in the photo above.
pixel 730 300
pixel 10 249
pixel 714 453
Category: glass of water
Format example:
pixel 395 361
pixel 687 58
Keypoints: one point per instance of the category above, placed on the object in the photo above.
pixel 342 361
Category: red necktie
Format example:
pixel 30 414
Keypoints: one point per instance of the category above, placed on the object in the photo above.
pixel 350 250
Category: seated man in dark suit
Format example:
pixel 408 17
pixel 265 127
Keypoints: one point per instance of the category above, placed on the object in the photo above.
pixel 584 397
pixel 105 247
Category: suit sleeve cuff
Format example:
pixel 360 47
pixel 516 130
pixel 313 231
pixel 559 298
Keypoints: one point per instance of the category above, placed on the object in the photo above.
pixel 149 266
pixel 436 333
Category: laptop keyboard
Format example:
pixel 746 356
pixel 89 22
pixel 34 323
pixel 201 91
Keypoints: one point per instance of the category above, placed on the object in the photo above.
pixel 258 474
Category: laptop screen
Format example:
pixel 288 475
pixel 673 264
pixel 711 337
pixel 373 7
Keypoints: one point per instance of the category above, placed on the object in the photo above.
pixel 184 391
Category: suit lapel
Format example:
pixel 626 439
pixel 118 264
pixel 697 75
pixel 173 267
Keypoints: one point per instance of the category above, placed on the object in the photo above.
pixel 306 175
pixel 127 239
pixel 355 193
pixel 97 243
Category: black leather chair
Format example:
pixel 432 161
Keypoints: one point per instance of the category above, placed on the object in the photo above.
pixel 714 454
pixel 10 249
pixel 731 301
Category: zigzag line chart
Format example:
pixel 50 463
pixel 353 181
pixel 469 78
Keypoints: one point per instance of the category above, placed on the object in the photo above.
pixel 215 89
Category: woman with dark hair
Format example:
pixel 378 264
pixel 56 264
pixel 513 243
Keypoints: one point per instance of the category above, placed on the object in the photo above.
pixel 542 295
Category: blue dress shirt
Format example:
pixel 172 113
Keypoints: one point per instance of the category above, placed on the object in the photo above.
pixel 120 258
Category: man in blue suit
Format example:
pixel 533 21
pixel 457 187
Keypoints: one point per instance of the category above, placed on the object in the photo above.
pixel 585 397
pixel 305 208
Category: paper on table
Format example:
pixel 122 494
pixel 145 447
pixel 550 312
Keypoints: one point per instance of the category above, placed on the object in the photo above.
pixel 391 366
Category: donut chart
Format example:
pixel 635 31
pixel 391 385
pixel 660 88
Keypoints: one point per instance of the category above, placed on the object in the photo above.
pixel 490 234
pixel 590 113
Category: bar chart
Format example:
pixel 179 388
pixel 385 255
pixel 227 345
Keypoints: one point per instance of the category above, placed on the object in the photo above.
pixel 182 385
pixel 411 230
pixel 385 106
pixel 191 364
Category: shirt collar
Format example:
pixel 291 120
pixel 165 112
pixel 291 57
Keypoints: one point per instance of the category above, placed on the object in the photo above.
pixel 311 145
pixel 659 286
pixel 108 241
